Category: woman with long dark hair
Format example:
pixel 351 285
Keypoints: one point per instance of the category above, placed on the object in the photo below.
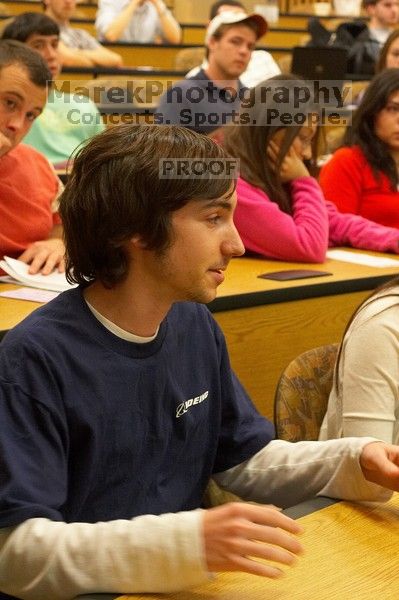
pixel 364 400
pixel 281 211
pixel 389 54
pixel 362 176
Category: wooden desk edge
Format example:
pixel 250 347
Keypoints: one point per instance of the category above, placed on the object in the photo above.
pixel 300 292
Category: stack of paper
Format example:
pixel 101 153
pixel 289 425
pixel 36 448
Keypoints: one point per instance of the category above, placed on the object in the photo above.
pixel 18 273
pixel 363 259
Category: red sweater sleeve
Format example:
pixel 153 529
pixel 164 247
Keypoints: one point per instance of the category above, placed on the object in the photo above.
pixel 267 230
pixel 341 180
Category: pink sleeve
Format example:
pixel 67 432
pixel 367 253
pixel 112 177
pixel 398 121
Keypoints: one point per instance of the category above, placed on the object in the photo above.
pixel 266 229
pixel 358 232
pixel 341 180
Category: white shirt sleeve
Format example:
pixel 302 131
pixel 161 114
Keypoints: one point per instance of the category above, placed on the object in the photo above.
pixel 48 560
pixel 285 473
pixel 107 11
pixel 366 400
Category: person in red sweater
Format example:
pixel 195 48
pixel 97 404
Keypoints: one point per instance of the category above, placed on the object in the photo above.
pixel 30 228
pixel 362 176
pixel 281 210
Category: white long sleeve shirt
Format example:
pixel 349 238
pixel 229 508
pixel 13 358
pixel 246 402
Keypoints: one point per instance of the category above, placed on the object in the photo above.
pixel 46 560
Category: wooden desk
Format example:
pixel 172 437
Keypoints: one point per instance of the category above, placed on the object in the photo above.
pixel 350 554
pixel 276 35
pixel 16 7
pixel 163 56
pixel 268 323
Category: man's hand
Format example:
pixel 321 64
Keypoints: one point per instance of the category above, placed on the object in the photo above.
pixel 237 534
pixel 380 464
pixel 5 144
pixel 45 256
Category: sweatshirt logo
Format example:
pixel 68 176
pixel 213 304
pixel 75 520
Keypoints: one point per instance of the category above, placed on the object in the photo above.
pixel 185 406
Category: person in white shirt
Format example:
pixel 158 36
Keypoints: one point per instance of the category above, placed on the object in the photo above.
pixel 77 47
pixel 136 21
pixel 364 398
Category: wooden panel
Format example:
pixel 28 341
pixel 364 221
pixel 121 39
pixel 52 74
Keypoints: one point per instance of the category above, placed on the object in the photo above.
pixel 160 57
pixel 163 57
pixel 264 339
pixel 274 37
pixel 16 7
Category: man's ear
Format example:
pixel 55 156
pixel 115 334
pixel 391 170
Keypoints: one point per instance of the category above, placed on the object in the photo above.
pixel 212 43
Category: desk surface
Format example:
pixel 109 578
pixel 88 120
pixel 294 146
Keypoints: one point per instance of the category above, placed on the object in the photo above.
pixel 350 554
pixel 243 288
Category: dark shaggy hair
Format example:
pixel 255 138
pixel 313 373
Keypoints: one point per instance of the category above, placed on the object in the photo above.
pixel 29 23
pixel 115 192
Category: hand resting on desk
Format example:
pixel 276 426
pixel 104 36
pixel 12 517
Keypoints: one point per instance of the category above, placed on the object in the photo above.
pixel 236 535
pixel 232 533
pixel 45 256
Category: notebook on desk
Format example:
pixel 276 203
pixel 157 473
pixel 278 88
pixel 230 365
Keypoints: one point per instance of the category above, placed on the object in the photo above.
pixel 319 63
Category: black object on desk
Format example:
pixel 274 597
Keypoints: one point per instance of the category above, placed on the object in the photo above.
pixel 293 274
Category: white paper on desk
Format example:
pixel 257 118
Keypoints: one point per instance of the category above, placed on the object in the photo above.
pixel 32 294
pixel 18 270
pixel 363 259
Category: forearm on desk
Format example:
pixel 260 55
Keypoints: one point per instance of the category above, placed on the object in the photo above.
pixel 47 560
pixel 285 474
pixel 268 230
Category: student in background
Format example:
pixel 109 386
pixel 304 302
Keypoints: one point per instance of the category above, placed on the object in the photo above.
pixel 30 227
pixel 213 97
pixel 118 403
pixel 362 177
pixel 389 55
pixel 261 65
pixel 383 18
pixel 66 121
pixel 77 47
pixel 281 211
pixel 136 21
pixel 364 399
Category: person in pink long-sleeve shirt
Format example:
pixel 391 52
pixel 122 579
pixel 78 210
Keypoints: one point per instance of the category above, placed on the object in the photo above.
pixel 281 211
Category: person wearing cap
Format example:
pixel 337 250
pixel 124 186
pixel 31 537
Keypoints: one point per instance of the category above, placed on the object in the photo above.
pixel 213 97
pixel 261 66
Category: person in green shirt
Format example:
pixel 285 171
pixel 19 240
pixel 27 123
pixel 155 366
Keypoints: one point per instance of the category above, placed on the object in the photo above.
pixel 67 119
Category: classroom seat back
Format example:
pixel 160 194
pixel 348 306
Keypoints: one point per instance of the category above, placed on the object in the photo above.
pixel 302 392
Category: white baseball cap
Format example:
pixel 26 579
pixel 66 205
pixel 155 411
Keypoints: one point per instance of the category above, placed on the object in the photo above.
pixel 228 17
